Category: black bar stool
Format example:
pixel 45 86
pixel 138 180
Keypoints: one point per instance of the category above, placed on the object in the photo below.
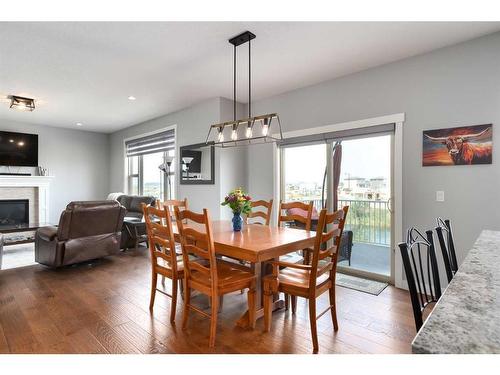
pixel 447 247
pixel 420 264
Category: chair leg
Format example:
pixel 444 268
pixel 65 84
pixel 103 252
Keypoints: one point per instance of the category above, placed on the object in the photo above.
pixel 312 319
pixel 221 302
pixel 213 321
pixel 294 304
pixel 181 287
pixel 333 307
pixel 187 301
pixel 154 279
pixel 251 307
pixel 306 255
pixel 268 311
pixel 173 307
pixel 287 301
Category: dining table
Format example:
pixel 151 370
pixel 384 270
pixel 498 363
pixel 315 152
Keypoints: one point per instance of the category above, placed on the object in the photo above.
pixel 255 244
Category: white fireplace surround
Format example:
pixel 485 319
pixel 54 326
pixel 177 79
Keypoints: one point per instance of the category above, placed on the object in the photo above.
pixel 41 185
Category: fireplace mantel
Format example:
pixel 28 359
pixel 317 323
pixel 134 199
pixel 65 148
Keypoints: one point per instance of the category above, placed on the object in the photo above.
pixel 42 183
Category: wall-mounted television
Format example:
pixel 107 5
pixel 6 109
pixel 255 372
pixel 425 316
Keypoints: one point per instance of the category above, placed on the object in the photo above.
pixel 18 149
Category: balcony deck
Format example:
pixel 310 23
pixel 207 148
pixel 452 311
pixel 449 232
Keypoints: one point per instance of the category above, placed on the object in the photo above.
pixel 370 258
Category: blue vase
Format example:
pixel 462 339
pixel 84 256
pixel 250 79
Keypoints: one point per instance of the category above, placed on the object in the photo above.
pixel 237 222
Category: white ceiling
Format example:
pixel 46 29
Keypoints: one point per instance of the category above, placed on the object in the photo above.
pixel 84 72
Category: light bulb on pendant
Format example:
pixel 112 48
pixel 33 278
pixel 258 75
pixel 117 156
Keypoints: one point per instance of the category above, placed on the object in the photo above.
pixel 249 130
pixel 220 136
pixel 265 127
pixel 234 134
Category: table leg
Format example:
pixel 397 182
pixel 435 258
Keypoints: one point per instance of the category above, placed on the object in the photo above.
pixel 259 270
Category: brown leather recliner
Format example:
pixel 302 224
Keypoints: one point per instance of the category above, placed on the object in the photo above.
pixel 87 230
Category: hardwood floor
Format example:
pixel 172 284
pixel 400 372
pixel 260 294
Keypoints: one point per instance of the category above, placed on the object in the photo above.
pixel 103 308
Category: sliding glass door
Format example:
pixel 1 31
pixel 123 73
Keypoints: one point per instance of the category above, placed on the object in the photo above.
pixel 303 173
pixel 365 185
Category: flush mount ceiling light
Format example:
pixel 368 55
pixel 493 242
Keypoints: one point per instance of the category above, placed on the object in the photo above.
pixel 250 130
pixel 22 104
pixel 132 98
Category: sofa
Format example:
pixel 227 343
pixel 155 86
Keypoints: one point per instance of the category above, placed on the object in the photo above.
pixel 86 231
pixel 134 228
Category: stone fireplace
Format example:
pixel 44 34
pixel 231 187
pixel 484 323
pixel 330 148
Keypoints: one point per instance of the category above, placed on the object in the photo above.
pixel 33 189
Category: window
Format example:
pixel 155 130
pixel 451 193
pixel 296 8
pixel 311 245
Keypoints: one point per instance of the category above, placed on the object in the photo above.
pixel 145 155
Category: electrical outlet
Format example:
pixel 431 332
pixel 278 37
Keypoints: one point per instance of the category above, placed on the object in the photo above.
pixel 439 196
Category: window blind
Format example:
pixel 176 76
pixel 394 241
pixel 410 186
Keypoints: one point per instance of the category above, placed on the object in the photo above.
pixel 159 142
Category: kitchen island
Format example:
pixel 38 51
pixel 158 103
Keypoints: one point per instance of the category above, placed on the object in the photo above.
pixel 467 317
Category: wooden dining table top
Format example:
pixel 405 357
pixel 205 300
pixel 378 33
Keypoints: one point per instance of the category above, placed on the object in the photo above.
pixel 256 243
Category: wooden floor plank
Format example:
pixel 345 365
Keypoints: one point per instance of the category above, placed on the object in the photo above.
pixel 103 307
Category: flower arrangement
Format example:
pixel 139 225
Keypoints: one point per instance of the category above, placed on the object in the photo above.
pixel 238 201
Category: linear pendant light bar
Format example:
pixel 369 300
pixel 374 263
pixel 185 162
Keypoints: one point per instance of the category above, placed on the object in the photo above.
pixel 241 132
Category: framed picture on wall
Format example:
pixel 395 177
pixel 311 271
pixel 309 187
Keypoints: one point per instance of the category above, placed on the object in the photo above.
pixel 464 145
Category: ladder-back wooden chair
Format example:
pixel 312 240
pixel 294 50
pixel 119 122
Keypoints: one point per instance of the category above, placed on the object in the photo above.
pixel 303 218
pixel 164 259
pixel 447 247
pixel 265 214
pixel 310 280
pixel 421 269
pixel 211 276
pixel 171 203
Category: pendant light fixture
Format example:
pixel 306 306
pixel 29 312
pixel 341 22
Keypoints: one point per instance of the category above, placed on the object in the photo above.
pixel 250 130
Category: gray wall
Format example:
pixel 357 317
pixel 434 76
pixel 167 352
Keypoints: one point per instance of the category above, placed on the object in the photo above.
pixel 454 86
pixel 77 159
pixel 233 161
pixel 192 127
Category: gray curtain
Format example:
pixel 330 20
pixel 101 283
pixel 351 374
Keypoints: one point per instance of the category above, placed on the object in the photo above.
pixel 337 162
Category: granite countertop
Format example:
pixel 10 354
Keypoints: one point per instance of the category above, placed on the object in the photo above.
pixel 467 317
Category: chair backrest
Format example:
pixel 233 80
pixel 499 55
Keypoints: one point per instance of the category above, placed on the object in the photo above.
pixel 422 275
pixel 447 247
pixel 303 215
pixel 327 244
pixel 266 214
pixel 90 218
pixel 197 232
pixel 160 235
pixel 171 203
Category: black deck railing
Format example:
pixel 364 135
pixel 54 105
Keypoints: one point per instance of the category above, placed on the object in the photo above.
pixel 369 220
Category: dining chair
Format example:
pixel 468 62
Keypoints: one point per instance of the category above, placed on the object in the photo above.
pixel 447 247
pixel 310 280
pixel 265 214
pixel 211 276
pixel 296 212
pixel 171 203
pixel 421 270
pixel 293 213
pixel 164 258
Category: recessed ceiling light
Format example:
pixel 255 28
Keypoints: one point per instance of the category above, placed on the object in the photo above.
pixel 11 140
pixel 21 143
pixel 79 124
pixel 131 98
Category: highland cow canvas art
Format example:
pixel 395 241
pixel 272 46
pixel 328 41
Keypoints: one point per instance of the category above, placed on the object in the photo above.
pixel 464 145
